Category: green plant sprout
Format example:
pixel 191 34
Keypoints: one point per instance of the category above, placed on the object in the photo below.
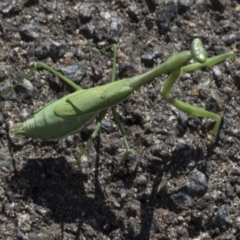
pixel 73 112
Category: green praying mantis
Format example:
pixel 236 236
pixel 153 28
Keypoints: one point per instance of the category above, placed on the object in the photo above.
pixel 74 111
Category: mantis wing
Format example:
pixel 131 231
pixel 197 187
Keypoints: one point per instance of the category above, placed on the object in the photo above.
pixel 93 99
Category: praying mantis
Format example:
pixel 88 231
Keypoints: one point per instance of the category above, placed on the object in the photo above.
pixel 71 113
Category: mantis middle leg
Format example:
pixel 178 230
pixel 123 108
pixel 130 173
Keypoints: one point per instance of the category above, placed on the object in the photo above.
pixel 116 119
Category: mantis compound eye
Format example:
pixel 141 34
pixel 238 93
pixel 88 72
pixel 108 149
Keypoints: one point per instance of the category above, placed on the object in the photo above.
pixel 198 51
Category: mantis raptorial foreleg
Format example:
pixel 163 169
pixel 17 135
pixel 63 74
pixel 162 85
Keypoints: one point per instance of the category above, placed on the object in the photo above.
pixel 74 111
pixel 186 107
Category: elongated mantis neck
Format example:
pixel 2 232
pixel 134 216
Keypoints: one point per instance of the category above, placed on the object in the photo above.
pixel 174 62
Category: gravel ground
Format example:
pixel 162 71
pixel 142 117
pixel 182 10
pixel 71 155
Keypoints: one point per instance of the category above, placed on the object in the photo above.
pixel 174 185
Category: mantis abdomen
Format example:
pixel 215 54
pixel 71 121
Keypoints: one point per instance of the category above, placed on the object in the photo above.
pixel 47 125
pixel 73 112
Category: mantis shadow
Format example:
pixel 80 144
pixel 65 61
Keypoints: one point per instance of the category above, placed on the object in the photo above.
pixel 60 194
pixel 67 199
pixel 163 202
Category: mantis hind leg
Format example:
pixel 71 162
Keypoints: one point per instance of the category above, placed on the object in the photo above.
pixel 47 68
pixel 92 137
